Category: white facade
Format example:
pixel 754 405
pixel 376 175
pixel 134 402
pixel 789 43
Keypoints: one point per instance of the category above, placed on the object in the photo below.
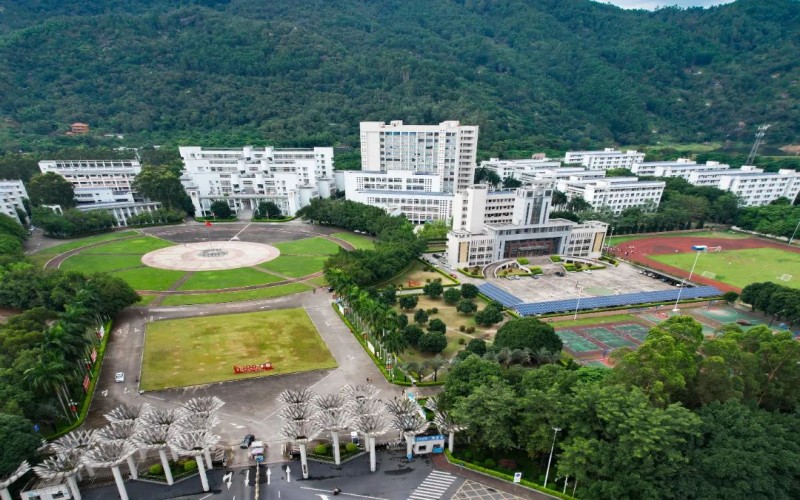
pixel 649 167
pixel 493 225
pixel 448 150
pixel 102 195
pixel 246 176
pixel 117 175
pixel 11 195
pixel 121 211
pixel 753 186
pixel 520 169
pixel 616 193
pixel 604 160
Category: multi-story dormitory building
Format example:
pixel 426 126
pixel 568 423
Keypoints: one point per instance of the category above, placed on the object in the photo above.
pixel 244 177
pixel 11 195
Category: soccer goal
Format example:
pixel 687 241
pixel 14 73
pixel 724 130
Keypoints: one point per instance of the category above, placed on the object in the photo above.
pixel 785 277
pixel 708 274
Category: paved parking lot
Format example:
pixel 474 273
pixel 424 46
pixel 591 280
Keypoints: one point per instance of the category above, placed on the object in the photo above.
pixel 612 280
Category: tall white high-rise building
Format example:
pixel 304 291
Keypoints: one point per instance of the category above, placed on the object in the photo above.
pixel 413 169
pixel 448 150
pixel 11 195
pixel 244 177
pixel 754 187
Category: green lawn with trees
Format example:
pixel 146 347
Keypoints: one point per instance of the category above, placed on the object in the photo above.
pixel 218 298
pixel 360 242
pixel 228 278
pixel 308 246
pixel 138 246
pixel 202 350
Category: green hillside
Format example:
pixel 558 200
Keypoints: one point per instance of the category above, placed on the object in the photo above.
pixel 531 73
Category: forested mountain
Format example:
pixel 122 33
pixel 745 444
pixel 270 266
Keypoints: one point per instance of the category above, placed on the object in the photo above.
pixel 538 73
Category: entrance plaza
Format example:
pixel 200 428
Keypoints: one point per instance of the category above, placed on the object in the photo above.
pixel 624 278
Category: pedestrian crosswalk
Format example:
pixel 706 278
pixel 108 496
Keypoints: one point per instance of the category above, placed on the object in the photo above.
pixel 433 487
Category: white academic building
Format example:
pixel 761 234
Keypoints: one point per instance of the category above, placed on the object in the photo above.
pixel 245 177
pixel 698 174
pixel 493 225
pixel 116 175
pixel 103 185
pixel 605 159
pixel 11 195
pixel 615 193
pixel 413 169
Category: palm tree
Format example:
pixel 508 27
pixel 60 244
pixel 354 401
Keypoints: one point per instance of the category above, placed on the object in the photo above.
pixel 413 368
pixel 520 357
pixel 435 364
pixel 395 342
pixel 504 356
pixel 48 374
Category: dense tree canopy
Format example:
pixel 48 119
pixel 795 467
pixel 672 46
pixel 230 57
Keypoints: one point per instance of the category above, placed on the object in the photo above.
pixel 538 73
pixel 51 189
pixel 527 333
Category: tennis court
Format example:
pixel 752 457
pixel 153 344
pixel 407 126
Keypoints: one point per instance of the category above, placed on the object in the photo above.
pixel 638 332
pixel 576 343
pixel 725 315
pixel 609 338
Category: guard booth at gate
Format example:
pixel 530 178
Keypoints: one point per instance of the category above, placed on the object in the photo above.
pixel 424 445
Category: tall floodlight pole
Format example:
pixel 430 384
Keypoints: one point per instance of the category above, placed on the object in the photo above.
pixel 698 249
pixel 550 460
pixel 578 303
pixel 794 232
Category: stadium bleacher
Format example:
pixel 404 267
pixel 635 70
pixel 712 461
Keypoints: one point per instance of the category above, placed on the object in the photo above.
pixel 627 299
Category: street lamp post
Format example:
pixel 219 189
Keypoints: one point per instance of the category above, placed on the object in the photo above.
pixel 578 303
pixel 698 251
pixel 550 460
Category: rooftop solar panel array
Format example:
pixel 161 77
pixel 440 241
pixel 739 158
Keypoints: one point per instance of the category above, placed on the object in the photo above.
pixel 498 294
pixel 627 299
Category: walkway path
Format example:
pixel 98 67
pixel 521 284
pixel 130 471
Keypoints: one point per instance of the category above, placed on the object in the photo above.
pixel 440 462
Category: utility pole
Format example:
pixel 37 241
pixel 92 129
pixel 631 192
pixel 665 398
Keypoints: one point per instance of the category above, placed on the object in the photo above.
pixel 759 137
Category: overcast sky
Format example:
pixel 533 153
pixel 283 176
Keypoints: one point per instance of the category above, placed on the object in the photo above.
pixel 652 4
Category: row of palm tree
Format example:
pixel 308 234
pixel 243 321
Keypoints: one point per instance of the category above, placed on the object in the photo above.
pixel 62 359
pixel 377 321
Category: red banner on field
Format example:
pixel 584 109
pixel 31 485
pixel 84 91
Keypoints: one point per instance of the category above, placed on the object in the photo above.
pixel 263 367
pixel 93 356
pixel 86 382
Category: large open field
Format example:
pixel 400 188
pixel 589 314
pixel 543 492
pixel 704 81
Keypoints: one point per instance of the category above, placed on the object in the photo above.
pixel 740 262
pixel 203 350
pixel 302 254
pixel 741 267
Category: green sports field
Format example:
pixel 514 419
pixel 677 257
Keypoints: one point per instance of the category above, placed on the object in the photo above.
pixel 203 350
pixel 741 267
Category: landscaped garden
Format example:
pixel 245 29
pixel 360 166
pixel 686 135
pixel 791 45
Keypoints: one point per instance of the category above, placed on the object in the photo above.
pixel 204 350
pixel 419 274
